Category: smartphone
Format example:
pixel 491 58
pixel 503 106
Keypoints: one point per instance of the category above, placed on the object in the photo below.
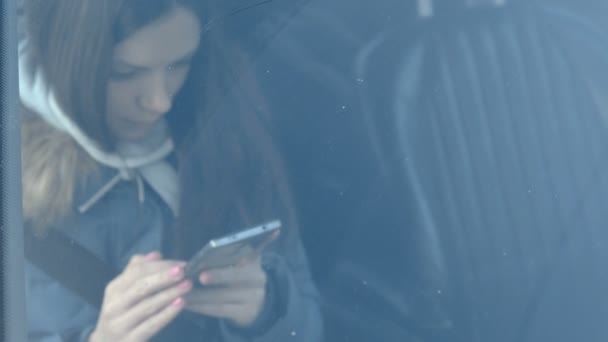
pixel 229 250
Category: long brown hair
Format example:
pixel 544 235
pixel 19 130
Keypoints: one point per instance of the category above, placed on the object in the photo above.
pixel 232 171
pixel 73 41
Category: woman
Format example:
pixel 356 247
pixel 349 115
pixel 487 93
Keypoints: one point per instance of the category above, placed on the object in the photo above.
pixel 107 88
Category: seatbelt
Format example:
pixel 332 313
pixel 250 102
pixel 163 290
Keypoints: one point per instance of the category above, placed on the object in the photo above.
pixel 69 263
pixel 81 271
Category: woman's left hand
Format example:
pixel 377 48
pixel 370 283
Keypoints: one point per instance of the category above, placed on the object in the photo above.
pixel 236 293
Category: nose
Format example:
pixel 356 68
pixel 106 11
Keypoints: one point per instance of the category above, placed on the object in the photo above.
pixel 156 97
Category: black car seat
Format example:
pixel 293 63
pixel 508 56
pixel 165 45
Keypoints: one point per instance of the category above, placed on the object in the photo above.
pixel 494 118
pixel 379 273
pixel 447 160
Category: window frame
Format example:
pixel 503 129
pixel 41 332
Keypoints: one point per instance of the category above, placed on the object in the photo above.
pixel 11 233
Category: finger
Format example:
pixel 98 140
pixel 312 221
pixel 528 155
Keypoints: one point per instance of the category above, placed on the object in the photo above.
pixel 152 283
pixel 139 258
pixel 146 286
pixel 139 267
pixel 273 237
pixel 152 305
pixel 144 269
pixel 139 282
pixel 154 255
pixel 248 275
pixel 151 326
pixel 148 266
pixel 252 259
pixel 136 259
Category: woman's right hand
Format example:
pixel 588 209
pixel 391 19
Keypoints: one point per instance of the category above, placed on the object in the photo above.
pixel 142 300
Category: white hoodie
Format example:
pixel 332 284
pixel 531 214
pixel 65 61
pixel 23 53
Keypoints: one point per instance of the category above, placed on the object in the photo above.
pixel 143 160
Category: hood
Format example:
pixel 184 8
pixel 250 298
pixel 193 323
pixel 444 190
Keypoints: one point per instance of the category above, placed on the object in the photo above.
pixel 139 161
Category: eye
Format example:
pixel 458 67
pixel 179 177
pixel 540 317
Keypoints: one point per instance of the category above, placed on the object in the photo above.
pixel 123 75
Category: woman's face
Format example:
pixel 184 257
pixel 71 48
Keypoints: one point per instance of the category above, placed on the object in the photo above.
pixel 148 68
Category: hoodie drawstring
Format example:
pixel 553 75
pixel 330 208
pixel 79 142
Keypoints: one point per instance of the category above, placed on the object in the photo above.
pixel 140 188
pixel 122 175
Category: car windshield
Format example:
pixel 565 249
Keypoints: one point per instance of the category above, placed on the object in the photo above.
pixel 314 170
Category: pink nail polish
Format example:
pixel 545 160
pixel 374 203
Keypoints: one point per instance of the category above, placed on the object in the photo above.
pixel 175 272
pixel 205 278
pixel 152 256
pixel 186 285
pixel 178 302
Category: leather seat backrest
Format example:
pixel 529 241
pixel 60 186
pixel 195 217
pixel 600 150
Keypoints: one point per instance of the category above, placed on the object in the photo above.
pixel 498 126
